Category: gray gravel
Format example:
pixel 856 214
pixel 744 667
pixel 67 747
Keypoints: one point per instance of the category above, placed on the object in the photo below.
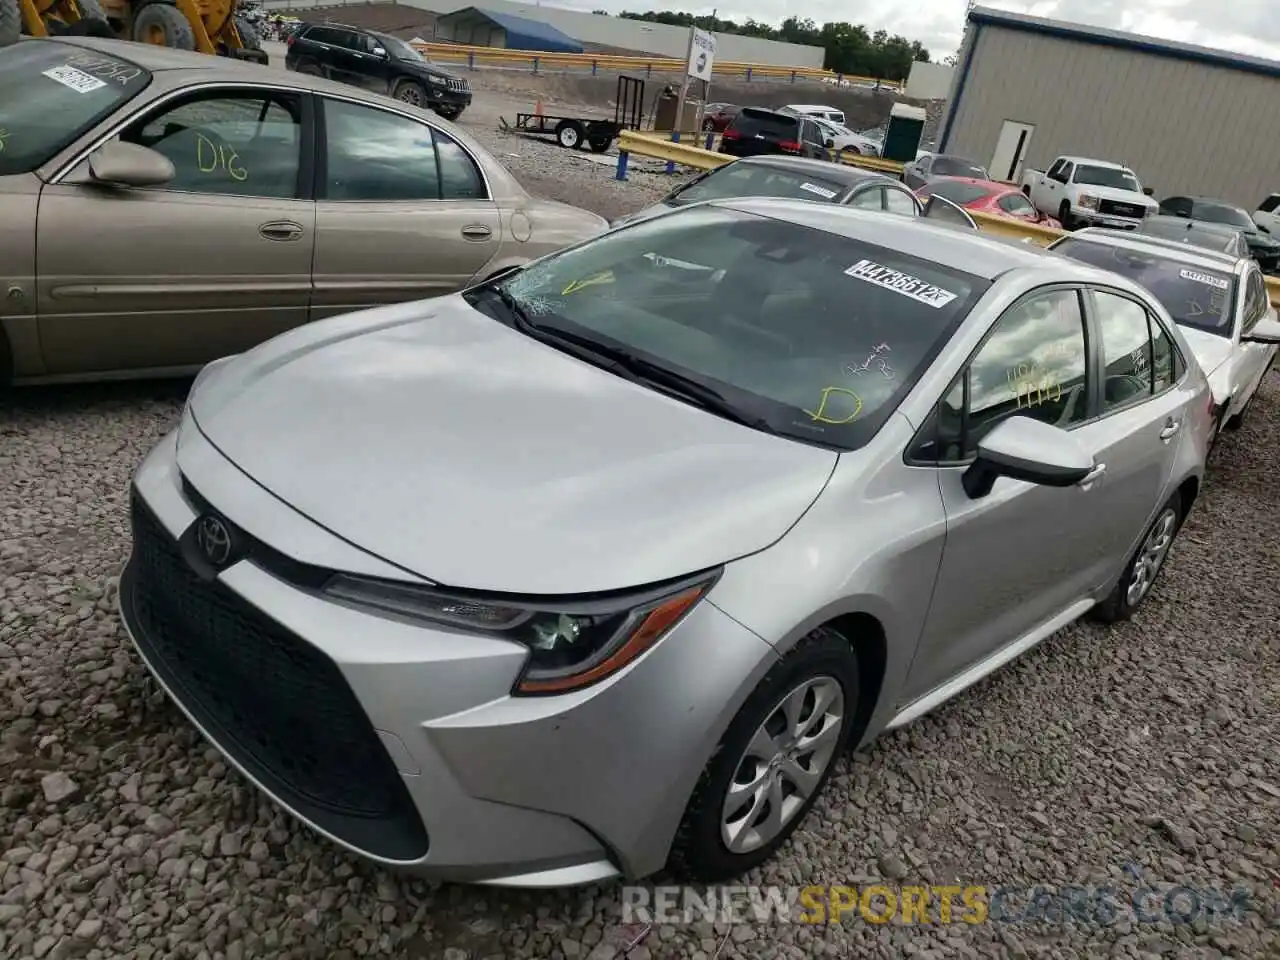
pixel 1151 750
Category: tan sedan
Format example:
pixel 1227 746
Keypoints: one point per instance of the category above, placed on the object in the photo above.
pixel 159 208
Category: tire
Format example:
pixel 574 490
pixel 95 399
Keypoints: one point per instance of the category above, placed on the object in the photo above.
pixel 699 852
pixel 1064 215
pixel 1026 191
pixel 159 21
pixel 250 39
pixel 569 134
pixel 600 144
pixel 410 92
pixel 10 22
pixel 1122 603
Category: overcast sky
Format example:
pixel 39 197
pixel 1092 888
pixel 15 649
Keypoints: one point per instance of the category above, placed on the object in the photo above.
pixel 1240 26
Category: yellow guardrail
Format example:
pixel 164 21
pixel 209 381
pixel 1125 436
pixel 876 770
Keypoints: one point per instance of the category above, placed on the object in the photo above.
pixel 661 147
pixel 537 60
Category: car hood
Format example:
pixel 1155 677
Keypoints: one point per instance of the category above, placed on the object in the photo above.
pixel 1211 351
pixel 1119 196
pixel 428 69
pixel 459 449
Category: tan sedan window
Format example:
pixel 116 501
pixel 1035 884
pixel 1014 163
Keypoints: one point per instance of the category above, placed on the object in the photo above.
pixel 243 145
pixel 374 155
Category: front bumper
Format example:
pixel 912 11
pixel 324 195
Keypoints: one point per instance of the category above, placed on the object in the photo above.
pixel 401 742
pixel 439 96
pixel 1094 219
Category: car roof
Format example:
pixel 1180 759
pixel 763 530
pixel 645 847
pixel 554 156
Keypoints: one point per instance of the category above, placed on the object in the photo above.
pixel 840 172
pixel 992 185
pixel 1109 164
pixel 814 106
pixel 1195 199
pixel 1175 249
pixel 950 246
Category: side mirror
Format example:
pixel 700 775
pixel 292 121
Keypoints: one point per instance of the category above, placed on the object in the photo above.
pixel 1021 448
pixel 1149 191
pixel 1267 331
pixel 380 52
pixel 129 165
pixel 940 208
pixel 829 144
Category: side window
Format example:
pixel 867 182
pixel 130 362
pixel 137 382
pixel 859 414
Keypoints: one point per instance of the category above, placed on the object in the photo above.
pixel 1269 205
pixel 1016 204
pixel 1255 302
pixel 1164 366
pixel 246 144
pixel 1054 170
pixel 1032 364
pixel 348 40
pixel 1065 173
pixel 460 178
pixel 1175 207
pixel 900 202
pixel 924 163
pixel 1126 350
pixel 871 198
pixel 375 156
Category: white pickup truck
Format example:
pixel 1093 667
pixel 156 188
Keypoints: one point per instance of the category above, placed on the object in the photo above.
pixel 1081 192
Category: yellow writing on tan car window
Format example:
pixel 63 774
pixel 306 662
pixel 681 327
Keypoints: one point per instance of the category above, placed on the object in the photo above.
pixel 598 280
pixel 1032 385
pixel 820 415
pixel 212 156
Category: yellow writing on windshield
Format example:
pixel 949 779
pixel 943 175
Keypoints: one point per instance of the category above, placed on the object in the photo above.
pixel 1032 385
pixel 211 157
pixel 821 415
pixel 599 279
pixel 4 135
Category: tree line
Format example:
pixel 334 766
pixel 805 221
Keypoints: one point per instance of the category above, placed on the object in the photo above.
pixel 850 49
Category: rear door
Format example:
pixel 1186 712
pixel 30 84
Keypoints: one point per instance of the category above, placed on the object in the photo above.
pixel 212 263
pixel 761 132
pixel 403 210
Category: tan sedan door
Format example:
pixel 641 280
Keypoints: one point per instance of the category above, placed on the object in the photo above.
pixel 402 211
pixel 212 263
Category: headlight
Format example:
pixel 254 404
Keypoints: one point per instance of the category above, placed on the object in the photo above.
pixel 1086 202
pixel 439 82
pixel 572 645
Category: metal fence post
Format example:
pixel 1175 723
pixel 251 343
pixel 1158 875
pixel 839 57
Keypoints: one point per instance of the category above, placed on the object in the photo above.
pixel 622 165
pixel 535 64
pixel 671 164
pixel 793 76
pixel 711 139
pixel 594 65
pixel 471 60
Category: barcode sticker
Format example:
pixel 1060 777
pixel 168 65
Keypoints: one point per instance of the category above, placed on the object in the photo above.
pixel 1198 277
pixel 899 282
pixel 77 80
pixel 820 191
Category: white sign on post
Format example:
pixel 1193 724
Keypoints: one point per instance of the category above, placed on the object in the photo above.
pixel 702 54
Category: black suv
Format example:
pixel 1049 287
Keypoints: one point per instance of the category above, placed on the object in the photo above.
pixel 378 62
pixel 756 131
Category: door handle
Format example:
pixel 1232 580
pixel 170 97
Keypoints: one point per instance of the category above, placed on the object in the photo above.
pixel 1092 477
pixel 281 230
pixel 1170 429
pixel 477 232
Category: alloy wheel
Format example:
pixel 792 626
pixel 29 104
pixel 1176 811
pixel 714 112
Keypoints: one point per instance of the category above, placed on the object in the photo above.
pixel 783 764
pixel 410 94
pixel 1155 549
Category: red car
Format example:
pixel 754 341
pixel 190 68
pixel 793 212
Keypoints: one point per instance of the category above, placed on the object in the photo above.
pixel 987 196
pixel 717 116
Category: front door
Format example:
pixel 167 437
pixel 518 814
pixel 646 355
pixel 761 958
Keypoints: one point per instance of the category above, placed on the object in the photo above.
pixel 1011 150
pixel 210 264
pixel 403 212
pixel 1020 555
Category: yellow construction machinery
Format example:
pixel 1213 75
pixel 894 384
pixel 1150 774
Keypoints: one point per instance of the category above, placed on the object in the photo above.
pixel 209 26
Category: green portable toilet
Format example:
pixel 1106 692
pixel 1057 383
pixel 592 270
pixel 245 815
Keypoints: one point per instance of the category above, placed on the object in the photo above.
pixel 902 136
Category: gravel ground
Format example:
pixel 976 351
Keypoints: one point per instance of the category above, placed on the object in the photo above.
pixel 123 835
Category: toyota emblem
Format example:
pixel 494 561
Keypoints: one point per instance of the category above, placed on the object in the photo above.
pixel 214 540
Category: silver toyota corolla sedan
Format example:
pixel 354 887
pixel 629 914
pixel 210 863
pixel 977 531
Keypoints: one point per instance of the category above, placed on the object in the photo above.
pixel 599 565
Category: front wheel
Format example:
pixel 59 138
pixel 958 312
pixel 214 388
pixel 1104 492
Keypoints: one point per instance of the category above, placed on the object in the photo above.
pixel 410 92
pixel 569 134
pixel 1144 566
pixel 708 126
pixel 772 763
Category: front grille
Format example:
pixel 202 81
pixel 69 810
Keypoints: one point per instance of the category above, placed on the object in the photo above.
pixel 459 86
pixel 1116 209
pixel 273 702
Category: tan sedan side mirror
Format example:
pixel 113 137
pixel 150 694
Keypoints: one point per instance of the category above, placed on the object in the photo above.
pixel 129 165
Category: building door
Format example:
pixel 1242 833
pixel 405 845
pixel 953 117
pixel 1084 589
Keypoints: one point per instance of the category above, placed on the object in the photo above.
pixel 1011 150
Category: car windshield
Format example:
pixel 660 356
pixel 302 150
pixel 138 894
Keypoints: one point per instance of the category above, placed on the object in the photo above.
pixel 743 179
pixel 1222 213
pixel 401 50
pixel 1113 177
pixel 798 331
pixel 956 191
pixel 51 93
pixel 1195 296
pixel 956 167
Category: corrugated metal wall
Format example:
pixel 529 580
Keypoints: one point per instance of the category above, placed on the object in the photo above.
pixel 1184 127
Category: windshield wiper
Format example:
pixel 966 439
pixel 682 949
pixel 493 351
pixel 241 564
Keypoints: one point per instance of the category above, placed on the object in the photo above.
pixel 625 362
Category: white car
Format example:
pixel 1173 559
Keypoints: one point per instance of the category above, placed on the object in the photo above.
pixel 821 111
pixel 1219 300
pixel 841 138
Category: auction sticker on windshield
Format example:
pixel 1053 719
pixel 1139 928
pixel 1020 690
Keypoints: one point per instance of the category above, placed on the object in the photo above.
pixel 1198 277
pixel 899 282
pixel 77 80
pixel 820 191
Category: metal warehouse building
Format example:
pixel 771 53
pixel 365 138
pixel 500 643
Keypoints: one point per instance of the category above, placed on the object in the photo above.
pixel 490 28
pixel 1187 119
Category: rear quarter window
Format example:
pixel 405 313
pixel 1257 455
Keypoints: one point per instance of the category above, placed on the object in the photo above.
pixel 750 122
